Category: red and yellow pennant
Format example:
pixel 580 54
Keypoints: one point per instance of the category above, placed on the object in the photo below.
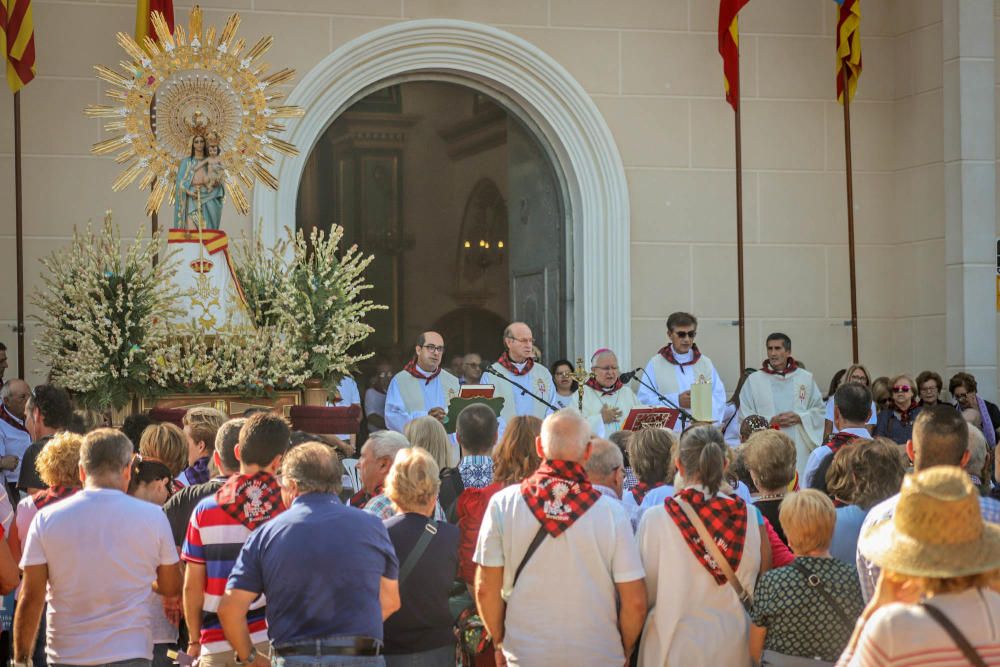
pixel 143 12
pixel 17 41
pixel 729 47
pixel 848 47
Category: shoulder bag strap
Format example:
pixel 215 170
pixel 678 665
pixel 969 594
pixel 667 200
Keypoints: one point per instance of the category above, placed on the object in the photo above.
pixel 956 635
pixel 814 582
pixel 713 550
pixel 539 536
pixel 430 530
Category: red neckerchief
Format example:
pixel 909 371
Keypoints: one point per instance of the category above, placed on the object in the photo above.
pixel 558 494
pixel 53 494
pixel 640 490
pixel 6 416
pixel 251 499
pixel 361 498
pixel 411 368
pixel 509 365
pixel 667 352
pixel 838 440
pixel 790 367
pixel 604 391
pixel 906 415
pixel 726 521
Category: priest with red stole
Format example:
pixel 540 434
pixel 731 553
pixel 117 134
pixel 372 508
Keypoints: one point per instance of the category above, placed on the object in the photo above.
pixel 422 387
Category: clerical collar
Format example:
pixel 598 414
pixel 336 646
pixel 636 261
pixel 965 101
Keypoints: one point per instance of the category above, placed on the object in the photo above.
pixel 416 371
pixel 790 367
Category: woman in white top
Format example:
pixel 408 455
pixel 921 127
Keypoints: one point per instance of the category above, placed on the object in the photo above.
pixel 606 400
pixel 696 617
pixel 939 560
pixel 651 451
pixel 562 377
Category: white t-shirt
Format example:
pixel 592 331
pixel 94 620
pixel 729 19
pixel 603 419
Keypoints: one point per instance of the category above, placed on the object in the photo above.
pixel 102 549
pixel 348 390
pixel 563 611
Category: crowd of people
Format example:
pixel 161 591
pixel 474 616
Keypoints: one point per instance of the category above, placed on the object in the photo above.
pixel 789 529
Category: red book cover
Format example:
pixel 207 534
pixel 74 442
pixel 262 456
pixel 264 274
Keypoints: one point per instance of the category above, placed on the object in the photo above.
pixel 476 391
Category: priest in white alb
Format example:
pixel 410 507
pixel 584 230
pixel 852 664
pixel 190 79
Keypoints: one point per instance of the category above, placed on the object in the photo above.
pixel 422 387
pixel 787 395
pixel 516 364
pixel 678 365
pixel 606 400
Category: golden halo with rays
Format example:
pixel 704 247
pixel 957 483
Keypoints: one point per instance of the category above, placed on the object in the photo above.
pixel 202 84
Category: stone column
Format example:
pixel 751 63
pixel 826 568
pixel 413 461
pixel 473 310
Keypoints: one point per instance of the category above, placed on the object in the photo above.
pixel 970 190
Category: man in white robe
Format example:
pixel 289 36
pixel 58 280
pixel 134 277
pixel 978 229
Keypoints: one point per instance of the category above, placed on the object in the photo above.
pixel 787 395
pixel 606 401
pixel 517 365
pixel 422 387
pixel 680 364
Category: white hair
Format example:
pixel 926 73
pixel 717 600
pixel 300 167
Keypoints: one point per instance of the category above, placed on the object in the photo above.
pixel 605 458
pixel 977 451
pixel 387 443
pixel 565 434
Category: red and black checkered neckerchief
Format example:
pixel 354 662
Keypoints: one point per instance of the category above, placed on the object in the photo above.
pixel 838 440
pixel 251 499
pixel 505 361
pixel 667 352
pixel 558 493
pixel 726 521
pixel 7 417
pixel 411 368
pixel 790 367
pixel 640 490
pixel 906 415
pixel 361 498
pixel 53 494
pixel 604 391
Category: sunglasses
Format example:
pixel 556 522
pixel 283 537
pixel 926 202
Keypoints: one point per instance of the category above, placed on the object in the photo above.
pixel 901 389
pixel 686 334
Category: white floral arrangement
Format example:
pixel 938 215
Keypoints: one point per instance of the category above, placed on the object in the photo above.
pixel 105 333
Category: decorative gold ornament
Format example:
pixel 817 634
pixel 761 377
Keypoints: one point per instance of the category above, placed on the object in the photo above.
pixel 201 85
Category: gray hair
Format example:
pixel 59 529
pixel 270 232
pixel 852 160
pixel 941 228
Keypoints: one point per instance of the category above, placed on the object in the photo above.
pixel 314 468
pixel 225 443
pixel 105 451
pixel 605 458
pixel 977 452
pixel 387 443
pixel 565 434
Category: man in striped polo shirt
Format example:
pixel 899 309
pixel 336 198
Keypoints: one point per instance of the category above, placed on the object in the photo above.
pixel 221 523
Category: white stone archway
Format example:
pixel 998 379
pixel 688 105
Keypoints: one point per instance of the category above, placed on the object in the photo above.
pixel 531 85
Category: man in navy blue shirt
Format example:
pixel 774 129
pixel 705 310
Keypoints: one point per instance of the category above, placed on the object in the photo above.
pixel 329 572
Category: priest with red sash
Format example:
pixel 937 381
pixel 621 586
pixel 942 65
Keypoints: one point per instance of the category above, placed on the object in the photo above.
pixel 787 395
pixel 680 364
pixel 422 388
pixel 517 364
pixel 606 400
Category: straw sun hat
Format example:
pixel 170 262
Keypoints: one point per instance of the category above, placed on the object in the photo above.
pixel 937 529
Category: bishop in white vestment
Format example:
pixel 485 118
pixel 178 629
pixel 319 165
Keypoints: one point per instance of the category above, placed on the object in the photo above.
pixel 606 401
pixel 517 365
pixel 674 368
pixel 788 396
pixel 422 387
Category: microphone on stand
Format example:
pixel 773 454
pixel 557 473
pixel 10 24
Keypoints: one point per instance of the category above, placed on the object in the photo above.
pixel 627 377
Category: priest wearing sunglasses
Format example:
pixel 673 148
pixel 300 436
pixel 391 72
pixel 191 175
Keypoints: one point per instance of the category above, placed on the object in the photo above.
pixel 680 364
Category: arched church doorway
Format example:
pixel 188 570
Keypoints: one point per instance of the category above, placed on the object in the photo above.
pixel 462 209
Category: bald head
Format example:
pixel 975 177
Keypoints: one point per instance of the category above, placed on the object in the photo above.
pixel 519 341
pixel 565 436
pixel 15 394
pixel 606 465
pixel 429 351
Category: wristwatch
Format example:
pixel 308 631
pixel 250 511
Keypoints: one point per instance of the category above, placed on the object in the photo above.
pixel 251 657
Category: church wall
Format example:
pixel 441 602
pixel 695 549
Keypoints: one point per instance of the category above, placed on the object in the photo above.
pixel 653 70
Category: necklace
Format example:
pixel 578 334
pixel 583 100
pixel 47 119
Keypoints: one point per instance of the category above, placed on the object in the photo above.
pixel 770 496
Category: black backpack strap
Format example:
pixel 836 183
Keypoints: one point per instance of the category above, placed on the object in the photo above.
pixel 813 581
pixel 956 635
pixel 539 536
pixel 430 530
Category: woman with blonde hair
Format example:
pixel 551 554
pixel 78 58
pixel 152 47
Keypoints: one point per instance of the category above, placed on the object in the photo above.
pixel 58 466
pixel 770 458
pixel 428 433
pixel 420 633
pixel 651 451
pixel 896 421
pixel 940 562
pixel 803 613
pixel 167 444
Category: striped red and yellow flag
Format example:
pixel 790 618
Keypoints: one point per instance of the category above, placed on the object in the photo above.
pixel 729 47
pixel 144 10
pixel 17 41
pixel 848 47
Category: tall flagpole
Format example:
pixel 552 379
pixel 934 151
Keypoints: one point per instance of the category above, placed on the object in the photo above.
pixel 739 228
pixel 19 234
pixel 850 214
